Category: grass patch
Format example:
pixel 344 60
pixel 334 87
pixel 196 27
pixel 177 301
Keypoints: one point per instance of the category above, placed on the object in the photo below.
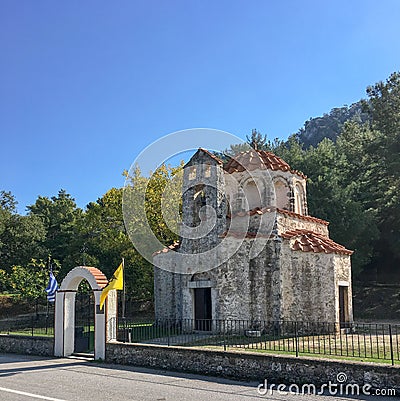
pixel 28 332
pixel 309 355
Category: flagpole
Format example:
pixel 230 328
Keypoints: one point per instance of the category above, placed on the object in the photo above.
pixel 123 289
pixel 47 300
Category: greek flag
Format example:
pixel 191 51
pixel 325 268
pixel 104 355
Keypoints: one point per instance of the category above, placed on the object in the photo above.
pixel 52 288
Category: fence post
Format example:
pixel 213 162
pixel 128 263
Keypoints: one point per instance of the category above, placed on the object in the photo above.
pixel 296 339
pixel 32 323
pixel 47 316
pixel 391 344
pixel 124 327
pixel 169 331
pixel 224 334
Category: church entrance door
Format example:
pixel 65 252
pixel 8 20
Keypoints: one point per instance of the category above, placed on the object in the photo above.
pixel 202 309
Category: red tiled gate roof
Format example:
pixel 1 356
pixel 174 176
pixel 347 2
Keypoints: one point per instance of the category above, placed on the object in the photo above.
pixel 100 278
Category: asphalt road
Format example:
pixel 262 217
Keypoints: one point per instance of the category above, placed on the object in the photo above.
pixel 27 378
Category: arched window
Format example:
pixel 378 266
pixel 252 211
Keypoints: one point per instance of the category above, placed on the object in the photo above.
pixel 299 199
pixel 199 192
pixel 199 200
pixel 253 196
pixel 281 194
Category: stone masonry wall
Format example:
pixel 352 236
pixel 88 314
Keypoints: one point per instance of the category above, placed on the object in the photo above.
pixel 248 288
pixel 277 284
pixel 308 285
pixel 43 346
pixel 251 366
pixel 242 288
pixel 287 223
pixel 165 292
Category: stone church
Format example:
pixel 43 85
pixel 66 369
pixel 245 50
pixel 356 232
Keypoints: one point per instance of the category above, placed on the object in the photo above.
pixel 248 248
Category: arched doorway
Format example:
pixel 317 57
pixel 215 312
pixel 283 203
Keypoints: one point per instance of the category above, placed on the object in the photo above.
pixel 84 319
pixel 104 320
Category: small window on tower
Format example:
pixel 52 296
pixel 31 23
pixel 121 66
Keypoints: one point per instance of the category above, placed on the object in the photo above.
pixel 199 191
pixel 192 173
pixel 199 200
pixel 207 171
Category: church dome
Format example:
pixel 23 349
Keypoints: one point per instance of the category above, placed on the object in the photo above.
pixel 258 160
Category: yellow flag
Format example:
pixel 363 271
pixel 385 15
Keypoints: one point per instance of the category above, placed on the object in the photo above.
pixel 116 283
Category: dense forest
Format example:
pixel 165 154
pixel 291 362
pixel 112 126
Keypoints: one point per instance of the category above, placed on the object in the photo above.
pixel 351 156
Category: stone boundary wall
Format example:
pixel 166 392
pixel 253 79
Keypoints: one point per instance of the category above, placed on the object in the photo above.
pixel 43 346
pixel 250 366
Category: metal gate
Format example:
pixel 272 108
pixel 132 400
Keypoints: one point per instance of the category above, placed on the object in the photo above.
pixel 84 322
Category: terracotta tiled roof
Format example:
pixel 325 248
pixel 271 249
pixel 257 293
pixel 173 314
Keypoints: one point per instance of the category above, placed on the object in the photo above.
pixel 300 216
pixel 306 241
pixel 258 159
pixel 219 161
pixel 101 279
pixel 309 241
pixel 240 235
pixel 173 247
pixel 258 210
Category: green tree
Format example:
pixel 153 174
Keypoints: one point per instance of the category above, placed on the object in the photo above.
pixel 384 179
pixel 8 202
pixel 59 215
pixel 256 140
pixel 233 150
pixel 30 281
pixel 100 237
pixel 291 151
pixel 21 237
pixel 162 208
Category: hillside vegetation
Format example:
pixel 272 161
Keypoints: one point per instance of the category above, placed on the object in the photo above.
pixel 331 124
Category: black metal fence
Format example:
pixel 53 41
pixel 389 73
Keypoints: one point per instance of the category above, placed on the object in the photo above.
pixel 364 341
pixel 40 324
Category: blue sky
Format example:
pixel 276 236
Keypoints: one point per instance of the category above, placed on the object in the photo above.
pixel 85 86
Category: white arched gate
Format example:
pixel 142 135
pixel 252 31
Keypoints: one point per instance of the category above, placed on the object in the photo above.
pixel 104 321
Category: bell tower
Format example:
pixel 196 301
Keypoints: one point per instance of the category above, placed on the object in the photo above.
pixel 203 203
